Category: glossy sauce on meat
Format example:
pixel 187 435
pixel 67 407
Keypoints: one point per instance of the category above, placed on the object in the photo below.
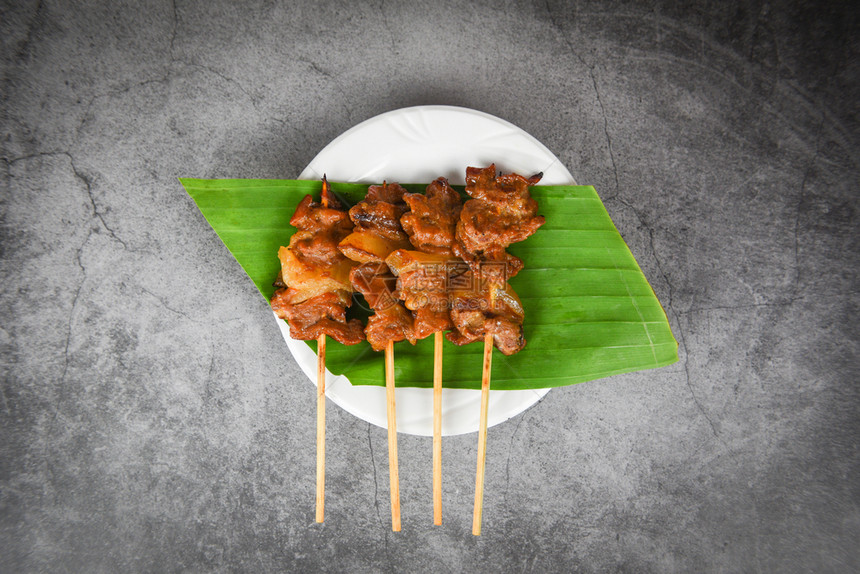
pixel 432 219
pixel 490 309
pixel 377 233
pixel 321 315
pixel 500 212
pixel 377 224
pixel 422 275
pixel 422 284
pixel 313 289
pixel 391 321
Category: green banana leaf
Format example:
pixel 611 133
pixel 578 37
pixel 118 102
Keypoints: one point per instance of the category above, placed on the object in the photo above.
pixel 590 312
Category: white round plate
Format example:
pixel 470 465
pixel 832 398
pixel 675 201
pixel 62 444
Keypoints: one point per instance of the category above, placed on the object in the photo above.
pixel 417 145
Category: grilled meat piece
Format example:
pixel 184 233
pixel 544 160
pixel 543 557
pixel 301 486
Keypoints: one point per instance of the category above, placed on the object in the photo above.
pixel 422 285
pixel 500 212
pixel 326 215
pixel 313 288
pixel 391 321
pixel 493 309
pixel 376 283
pixel 324 314
pixel 377 224
pixel 377 233
pixel 432 219
pixel 429 321
pixel 393 324
pixel 422 276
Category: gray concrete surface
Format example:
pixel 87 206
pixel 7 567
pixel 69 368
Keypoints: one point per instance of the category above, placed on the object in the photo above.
pixel 152 420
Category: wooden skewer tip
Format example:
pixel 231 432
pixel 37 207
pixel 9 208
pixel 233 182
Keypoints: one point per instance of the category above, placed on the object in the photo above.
pixel 320 495
pixel 482 434
pixel 437 428
pixel 392 438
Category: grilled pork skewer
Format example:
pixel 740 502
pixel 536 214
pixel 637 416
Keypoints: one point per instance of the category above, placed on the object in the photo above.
pixel 313 292
pixel 423 283
pixel 500 212
pixel 378 233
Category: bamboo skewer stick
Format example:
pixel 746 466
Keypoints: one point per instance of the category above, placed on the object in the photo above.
pixel 392 438
pixel 437 428
pixel 320 427
pixel 321 401
pixel 482 434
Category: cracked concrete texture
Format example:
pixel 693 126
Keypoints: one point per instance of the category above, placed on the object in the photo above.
pixel 153 421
